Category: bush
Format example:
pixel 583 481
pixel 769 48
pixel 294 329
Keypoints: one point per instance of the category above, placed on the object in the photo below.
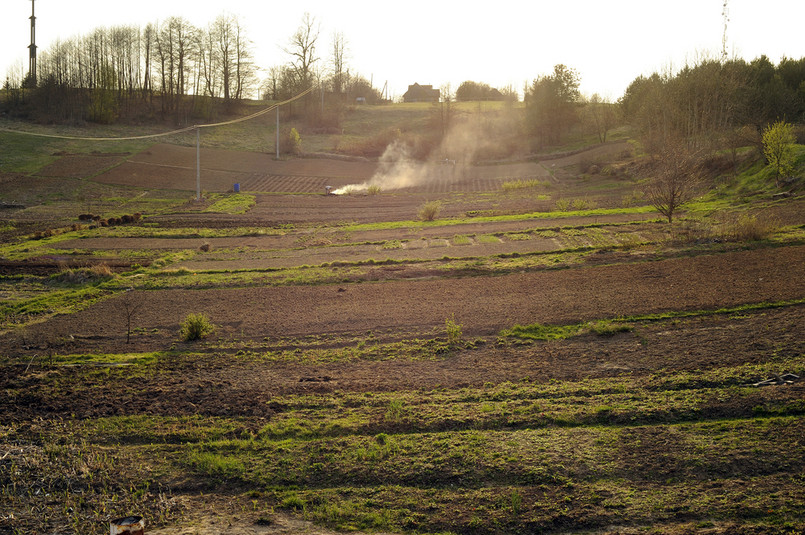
pixel 750 228
pixel 294 142
pixel 563 205
pixel 454 330
pixel 290 141
pixel 373 189
pixel 582 204
pixel 430 210
pixel 196 327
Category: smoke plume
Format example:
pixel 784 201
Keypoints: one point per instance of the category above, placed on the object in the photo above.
pixel 468 137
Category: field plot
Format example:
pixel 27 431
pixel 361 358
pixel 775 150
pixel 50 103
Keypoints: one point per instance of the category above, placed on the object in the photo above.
pixel 539 357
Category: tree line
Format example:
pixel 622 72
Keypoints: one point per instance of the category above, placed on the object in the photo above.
pixel 712 102
pixel 170 70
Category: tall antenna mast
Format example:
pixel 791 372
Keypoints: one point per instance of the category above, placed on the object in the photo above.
pixel 32 48
pixel 725 14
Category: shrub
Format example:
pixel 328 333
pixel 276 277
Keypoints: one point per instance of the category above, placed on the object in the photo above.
pixel 205 247
pixel 582 204
pixel 373 189
pixel 751 228
pixel 294 142
pixel 632 199
pixel 195 327
pixel 454 330
pixel 430 210
pixel 563 205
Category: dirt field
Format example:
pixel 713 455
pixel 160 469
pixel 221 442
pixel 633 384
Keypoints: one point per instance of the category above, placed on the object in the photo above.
pixel 405 300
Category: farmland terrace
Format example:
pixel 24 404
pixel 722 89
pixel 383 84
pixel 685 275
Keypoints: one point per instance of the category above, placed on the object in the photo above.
pixel 544 354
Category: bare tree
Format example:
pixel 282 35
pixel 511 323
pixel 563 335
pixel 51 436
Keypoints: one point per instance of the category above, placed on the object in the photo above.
pixel 302 48
pixel 676 173
pixel 339 62
pixel 244 65
pixel 601 116
pixel 131 305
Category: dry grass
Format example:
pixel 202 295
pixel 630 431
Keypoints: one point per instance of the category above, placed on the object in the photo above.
pixel 84 275
pixel 750 227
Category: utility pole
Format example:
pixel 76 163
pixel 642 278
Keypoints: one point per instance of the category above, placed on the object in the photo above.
pixel 32 48
pixel 198 163
pixel 725 14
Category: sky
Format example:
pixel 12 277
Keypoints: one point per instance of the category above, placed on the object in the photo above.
pixel 502 43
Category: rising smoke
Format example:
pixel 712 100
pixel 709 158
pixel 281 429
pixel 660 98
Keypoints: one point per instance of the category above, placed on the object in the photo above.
pixel 450 162
pixel 397 170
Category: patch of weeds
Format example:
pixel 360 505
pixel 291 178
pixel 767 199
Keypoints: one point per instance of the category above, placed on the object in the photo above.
pixel 582 204
pixel 562 205
pixel 217 466
pixel 488 238
pixel 392 244
pixel 512 185
pixel 454 331
pixel 608 328
pixel 395 411
pixel 106 359
pixel 84 275
pixel 537 331
pixel 518 236
pixel 232 203
pixel 196 327
pixel 460 239
pixel 750 228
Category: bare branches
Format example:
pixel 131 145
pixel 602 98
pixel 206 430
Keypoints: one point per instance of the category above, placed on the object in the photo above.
pixel 302 48
pixel 677 172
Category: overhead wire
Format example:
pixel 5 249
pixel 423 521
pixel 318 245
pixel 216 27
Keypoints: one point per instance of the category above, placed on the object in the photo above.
pixel 163 134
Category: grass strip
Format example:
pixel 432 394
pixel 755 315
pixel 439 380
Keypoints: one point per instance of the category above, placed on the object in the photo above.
pixel 603 327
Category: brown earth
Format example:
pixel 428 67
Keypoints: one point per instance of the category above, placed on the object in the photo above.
pixel 484 305
pixel 406 308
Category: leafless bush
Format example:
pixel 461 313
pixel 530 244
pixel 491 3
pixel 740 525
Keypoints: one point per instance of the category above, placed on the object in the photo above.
pixel 750 227
pixel 430 210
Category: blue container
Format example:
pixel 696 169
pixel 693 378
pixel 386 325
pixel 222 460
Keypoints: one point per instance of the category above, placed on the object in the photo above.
pixel 236 188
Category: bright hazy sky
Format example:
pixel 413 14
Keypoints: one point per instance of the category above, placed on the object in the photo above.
pixel 430 42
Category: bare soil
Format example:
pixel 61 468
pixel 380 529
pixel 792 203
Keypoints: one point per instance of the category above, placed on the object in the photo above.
pixel 402 303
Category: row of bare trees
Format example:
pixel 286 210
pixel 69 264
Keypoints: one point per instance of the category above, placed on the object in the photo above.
pixel 123 70
pixel 175 70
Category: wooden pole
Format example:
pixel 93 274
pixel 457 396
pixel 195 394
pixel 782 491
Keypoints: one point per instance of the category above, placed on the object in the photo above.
pixel 198 163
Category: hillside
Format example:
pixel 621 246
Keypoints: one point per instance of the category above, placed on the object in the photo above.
pixel 487 338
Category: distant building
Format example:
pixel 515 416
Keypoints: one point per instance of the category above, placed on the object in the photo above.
pixel 421 93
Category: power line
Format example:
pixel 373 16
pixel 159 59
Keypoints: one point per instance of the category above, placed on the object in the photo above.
pixel 163 134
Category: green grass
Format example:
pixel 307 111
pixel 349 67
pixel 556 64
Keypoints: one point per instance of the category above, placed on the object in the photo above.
pixel 413 224
pixel 105 359
pixel 514 185
pixel 605 327
pixel 231 203
pixel 522 455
